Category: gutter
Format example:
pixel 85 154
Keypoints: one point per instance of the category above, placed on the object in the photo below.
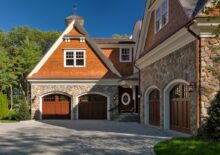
pixel 198 73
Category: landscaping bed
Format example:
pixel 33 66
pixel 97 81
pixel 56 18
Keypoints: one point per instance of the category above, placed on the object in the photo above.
pixel 187 146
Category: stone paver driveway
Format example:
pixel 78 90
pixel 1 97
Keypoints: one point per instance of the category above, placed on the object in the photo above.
pixel 79 137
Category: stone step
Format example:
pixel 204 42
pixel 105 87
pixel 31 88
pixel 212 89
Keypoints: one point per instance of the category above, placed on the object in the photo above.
pixel 127 117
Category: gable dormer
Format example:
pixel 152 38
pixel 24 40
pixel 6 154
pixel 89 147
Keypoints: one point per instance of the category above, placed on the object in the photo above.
pixel 166 18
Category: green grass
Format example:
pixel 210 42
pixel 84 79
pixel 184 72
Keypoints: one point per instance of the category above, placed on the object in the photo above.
pixel 8 121
pixel 187 146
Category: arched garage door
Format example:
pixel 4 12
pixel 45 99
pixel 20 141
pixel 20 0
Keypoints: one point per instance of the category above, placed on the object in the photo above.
pixel 92 106
pixel 180 108
pixel 56 106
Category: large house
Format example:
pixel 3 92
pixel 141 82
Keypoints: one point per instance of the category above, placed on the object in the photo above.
pixel 85 78
pixel 176 51
pixel 162 73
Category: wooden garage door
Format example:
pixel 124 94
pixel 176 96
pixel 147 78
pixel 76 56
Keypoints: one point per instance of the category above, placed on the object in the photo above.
pixel 56 106
pixel 154 107
pixel 180 109
pixel 92 106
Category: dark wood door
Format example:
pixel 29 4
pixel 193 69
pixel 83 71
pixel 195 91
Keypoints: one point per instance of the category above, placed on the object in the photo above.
pixel 123 106
pixel 154 107
pixel 92 106
pixel 180 108
pixel 56 106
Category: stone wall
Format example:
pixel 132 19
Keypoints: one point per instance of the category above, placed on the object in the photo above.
pixel 73 90
pixel 180 64
pixel 210 51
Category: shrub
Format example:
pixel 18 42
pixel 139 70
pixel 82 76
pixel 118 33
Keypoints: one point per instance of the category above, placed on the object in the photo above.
pixel 12 115
pixel 211 128
pixel 23 112
pixel 3 106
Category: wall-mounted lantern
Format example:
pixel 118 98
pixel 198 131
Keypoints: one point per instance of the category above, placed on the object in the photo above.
pixel 191 87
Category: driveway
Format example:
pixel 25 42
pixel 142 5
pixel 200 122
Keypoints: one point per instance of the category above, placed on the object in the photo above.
pixel 79 137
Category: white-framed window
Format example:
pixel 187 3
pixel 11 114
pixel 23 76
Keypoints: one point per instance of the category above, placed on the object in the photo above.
pixel 125 54
pixel 161 15
pixel 74 58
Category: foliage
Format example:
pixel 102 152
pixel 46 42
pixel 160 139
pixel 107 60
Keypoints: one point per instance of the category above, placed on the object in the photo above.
pixel 187 146
pixel 214 3
pixel 23 112
pixel 20 50
pixel 211 128
pixel 8 121
pixel 120 36
pixel 12 115
pixel 3 106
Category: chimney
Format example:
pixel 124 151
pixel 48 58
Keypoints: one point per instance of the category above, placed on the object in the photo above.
pixel 79 19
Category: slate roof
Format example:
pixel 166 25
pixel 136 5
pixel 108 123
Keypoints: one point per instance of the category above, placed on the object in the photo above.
pixel 113 41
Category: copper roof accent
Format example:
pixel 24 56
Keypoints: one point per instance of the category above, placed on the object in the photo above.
pixel 113 41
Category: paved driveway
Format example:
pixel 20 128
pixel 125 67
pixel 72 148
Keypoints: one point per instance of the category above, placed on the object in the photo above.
pixel 79 137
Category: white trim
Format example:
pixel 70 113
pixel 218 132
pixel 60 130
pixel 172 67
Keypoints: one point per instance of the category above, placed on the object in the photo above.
pixel 74 58
pixel 75 82
pixel 122 97
pixel 88 39
pixel 130 54
pixel 51 50
pixel 166 100
pixel 98 93
pixel 146 103
pixel 155 17
pixel 144 30
pixel 175 42
pixel 56 92
pixel 155 4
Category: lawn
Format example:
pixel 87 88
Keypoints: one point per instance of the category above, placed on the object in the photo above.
pixel 8 121
pixel 187 146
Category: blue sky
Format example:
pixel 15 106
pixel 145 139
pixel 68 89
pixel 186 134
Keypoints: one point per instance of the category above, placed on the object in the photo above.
pixel 102 17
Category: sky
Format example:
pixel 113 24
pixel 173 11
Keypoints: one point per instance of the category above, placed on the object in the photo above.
pixel 102 17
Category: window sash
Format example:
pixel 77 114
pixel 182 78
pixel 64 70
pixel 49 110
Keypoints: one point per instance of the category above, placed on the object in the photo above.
pixel 161 16
pixel 77 57
pixel 125 55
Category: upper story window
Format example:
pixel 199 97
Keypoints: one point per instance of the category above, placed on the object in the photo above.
pixel 74 58
pixel 125 55
pixel 161 16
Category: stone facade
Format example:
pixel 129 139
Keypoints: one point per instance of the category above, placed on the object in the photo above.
pixel 180 64
pixel 210 51
pixel 74 91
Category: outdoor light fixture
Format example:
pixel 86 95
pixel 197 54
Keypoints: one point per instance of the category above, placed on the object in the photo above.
pixel 139 95
pixel 114 97
pixel 191 87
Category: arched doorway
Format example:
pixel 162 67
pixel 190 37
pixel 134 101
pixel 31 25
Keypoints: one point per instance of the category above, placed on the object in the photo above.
pixel 154 107
pixel 180 108
pixel 92 106
pixel 56 106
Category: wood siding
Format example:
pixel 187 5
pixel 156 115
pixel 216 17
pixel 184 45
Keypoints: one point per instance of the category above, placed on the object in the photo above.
pixel 177 19
pixel 54 66
pixel 125 68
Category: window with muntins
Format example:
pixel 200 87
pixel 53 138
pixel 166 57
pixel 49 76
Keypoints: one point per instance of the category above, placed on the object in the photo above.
pixel 161 16
pixel 125 55
pixel 74 58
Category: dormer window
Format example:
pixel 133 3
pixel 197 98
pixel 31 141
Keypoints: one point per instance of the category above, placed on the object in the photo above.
pixel 125 55
pixel 74 58
pixel 161 16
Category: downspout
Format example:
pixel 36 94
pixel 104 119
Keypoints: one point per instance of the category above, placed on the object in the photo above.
pixel 198 73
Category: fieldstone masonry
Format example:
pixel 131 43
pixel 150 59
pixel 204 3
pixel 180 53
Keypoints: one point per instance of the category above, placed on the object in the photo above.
pixel 181 64
pixel 73 90
pixel 210 52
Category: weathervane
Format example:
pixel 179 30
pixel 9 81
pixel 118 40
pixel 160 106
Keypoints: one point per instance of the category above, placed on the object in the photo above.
pixel 75 10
